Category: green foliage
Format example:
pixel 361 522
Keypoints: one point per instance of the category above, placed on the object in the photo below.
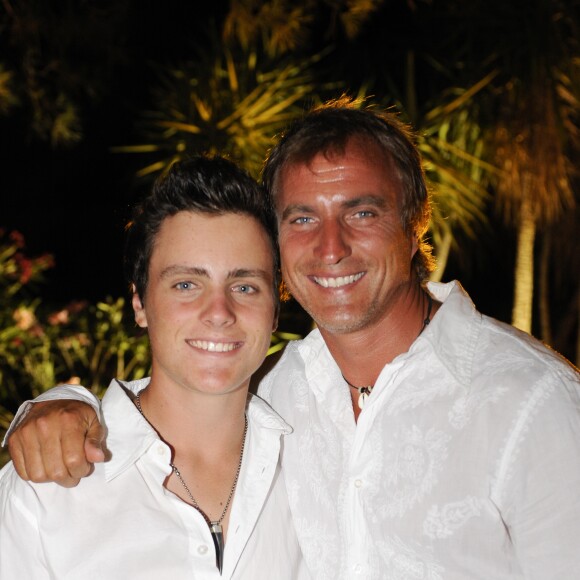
pixel 39 347
pixel 57 57
pixel 226 101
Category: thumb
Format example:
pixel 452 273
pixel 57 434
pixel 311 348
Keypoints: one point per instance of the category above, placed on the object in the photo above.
pixel 95 445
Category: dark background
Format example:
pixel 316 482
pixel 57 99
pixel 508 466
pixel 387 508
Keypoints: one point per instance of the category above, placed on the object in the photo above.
pixel 73 202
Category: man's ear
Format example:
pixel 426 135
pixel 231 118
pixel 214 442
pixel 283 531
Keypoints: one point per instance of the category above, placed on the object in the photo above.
pixel 414 245
pixel 139 309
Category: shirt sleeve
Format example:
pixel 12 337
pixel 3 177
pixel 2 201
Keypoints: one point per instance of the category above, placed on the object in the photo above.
pixel 70 392
pixel 540 499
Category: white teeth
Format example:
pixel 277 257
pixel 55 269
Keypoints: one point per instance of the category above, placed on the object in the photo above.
pixel 214 346
pixel 338 281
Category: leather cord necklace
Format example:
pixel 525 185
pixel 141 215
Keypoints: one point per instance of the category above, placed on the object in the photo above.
pixel 365 391
pixel 215 527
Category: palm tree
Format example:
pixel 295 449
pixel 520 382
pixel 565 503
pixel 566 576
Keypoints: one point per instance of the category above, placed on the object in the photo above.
pixel 452 145
pixel 532 116
pixel 226 101
pixel 41 71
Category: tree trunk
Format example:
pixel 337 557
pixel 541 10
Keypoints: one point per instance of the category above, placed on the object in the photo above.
pixel 544 289
pixel 442 255
pixel 578 334
pixel 524 271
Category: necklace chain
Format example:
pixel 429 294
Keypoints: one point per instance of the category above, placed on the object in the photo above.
pixel 187 490
pixel 365 391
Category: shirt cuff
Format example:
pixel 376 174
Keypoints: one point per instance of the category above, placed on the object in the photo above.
pixel 70 392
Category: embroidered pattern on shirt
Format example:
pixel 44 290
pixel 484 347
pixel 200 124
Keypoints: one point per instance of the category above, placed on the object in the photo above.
pixel 412 461
pixel 467 406
pixel 443 522
pixel 403 562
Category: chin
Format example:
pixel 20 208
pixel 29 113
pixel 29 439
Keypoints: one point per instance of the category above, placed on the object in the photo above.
pixel 341 326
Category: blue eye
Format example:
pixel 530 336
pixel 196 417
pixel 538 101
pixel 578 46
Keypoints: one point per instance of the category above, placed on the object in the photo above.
pixel 184 285
pixel 245 289
pixel 364 213
pixel 302 220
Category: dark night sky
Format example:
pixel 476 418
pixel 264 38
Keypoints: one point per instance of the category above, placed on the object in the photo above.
pixel 73 203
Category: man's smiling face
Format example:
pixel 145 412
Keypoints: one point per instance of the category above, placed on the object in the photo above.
pixel 345 255
pixel 208 307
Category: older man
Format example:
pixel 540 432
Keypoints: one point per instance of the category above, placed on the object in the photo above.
pixel 429 441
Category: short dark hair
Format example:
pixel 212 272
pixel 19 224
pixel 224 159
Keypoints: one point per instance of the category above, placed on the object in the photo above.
pixel 329 128
pixel 210 185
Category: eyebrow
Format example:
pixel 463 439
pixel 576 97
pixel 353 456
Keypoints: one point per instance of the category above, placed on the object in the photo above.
pixel 177 270
pixel 377 201
pixel 296 208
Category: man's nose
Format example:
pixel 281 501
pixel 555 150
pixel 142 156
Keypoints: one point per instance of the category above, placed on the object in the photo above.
pixel 218 309
pixel 332 243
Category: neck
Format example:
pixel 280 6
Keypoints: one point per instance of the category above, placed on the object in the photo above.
pixel 361 355
pixel 195 424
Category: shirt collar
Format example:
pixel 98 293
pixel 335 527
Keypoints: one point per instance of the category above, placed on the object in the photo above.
pixel 263 416
pixel 452 335
pixel 129 435
pixel 455 329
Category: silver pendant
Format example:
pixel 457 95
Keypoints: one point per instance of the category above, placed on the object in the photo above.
pixel 217 534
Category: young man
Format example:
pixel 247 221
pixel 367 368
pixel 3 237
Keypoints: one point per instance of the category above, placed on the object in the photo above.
pixel 192 488
pixel 430 442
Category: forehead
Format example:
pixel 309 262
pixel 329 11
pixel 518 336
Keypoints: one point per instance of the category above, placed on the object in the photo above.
pixel 362 167
pixel 230 240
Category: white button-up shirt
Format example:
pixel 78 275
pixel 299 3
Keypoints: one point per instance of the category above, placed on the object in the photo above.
pixel 122 523
pixel 464 463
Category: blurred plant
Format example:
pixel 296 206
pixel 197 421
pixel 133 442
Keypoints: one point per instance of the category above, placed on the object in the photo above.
pixel 8 97
pixel 39 348
pixel 225 101
pixel 282 26
pixel 57 57
pixel 452 144
pixel 531 116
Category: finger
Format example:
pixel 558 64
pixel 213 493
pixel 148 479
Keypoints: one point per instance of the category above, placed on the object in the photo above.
pixel 72 442
pixel 95 449
pixel 17 455
pixel 51 453
pixel 26 450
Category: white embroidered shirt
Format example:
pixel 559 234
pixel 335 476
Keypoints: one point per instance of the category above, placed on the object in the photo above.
pixel 464 463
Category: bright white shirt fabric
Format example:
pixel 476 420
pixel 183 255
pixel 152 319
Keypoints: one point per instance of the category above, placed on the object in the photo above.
pixel 464 463
pixel 121 523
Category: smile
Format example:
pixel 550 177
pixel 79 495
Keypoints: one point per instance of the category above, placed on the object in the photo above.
pixel 211 346
pixel 339 281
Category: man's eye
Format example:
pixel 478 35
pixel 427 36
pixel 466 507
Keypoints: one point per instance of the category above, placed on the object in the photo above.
pixel 184 285
pixel 302 220
pixel 245 289
pixel 364 213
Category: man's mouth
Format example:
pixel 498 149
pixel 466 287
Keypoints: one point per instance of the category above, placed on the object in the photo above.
pixel 212 346
pixel 338 281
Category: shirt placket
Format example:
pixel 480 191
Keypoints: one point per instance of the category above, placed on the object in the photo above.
pixel 360 544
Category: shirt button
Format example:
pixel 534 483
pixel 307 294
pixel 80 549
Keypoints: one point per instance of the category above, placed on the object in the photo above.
pixel 202 550
pixel 358 569
pixel 160 450
pixel 357 483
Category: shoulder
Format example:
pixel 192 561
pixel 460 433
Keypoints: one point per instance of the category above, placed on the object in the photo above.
pixel 290 369
pixel 504 351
